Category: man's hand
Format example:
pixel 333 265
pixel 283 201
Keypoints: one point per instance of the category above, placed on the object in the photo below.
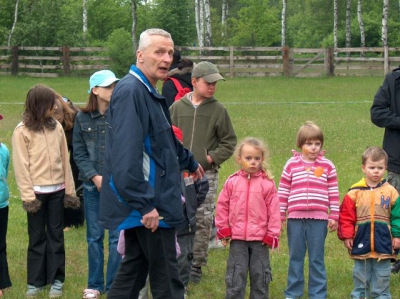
pixel 348 243
pixel 199 173
pixel 150 220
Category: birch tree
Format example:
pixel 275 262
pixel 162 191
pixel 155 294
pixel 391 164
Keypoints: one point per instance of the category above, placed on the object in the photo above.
pixel 335 24
pixel 84 16
pixel 208 33
pixel 348 26
pixel 134 24
pixel 14 23
pixel 224 16
pixel 199 16
pixel 361 25
pixel 385 22
pixel 283 38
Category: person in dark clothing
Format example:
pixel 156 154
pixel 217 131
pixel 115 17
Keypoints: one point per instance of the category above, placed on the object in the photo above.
pixel 141 190
pixel 181 70
pixel 193 195
pixel 65 114
pixel 385 113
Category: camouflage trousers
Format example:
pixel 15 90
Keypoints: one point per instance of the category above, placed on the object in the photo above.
pixel 204 220
pixel 394 180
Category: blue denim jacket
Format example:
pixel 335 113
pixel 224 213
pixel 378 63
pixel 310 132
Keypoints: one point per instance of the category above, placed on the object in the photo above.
pixel 89 143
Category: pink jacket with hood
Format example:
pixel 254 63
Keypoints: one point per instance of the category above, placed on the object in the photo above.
pixel 248 209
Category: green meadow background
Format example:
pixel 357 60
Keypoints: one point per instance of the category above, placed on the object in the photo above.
pixel 268 108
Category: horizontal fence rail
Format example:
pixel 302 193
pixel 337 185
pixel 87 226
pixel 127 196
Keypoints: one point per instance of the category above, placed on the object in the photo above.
pixel 231 61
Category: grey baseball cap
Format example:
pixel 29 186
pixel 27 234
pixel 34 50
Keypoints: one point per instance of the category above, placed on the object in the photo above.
pixel 207 71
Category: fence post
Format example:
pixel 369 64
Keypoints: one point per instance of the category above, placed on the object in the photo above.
pixel 286 61
pixel 385 60
pixel 14 61
pixel 329 62
pixel 231 61
pixel 65 60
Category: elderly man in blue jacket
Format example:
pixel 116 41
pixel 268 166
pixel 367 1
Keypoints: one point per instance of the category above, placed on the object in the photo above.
pixel 141 190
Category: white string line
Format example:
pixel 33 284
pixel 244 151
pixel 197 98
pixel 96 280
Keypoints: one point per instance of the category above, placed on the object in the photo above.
pixel 246 103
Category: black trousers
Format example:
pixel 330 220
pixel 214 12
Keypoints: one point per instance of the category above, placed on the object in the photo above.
pixel 5 281
pixel 46 252
pixel 152 254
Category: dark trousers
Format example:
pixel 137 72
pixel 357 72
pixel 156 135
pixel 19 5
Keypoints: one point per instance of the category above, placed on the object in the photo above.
pixel 5 281
pixel 152 254
pixel 248 257
pixel 46 252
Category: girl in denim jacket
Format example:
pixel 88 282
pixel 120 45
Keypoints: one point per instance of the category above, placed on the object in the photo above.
pixel 89 143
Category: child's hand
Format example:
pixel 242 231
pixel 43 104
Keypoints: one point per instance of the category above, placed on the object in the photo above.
pixel 348 243
pixel 283 226
pixel 396 243
pixel 332 225
pixel 225 241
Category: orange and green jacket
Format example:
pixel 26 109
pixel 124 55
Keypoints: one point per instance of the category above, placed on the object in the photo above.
pixel 371 217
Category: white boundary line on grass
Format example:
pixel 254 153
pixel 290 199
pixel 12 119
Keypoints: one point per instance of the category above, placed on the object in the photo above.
pixel 248 103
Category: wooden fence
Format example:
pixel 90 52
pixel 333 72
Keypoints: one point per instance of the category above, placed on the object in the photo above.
pixel 231 61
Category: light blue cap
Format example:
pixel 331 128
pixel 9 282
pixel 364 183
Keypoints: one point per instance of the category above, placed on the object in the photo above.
pixel 102 79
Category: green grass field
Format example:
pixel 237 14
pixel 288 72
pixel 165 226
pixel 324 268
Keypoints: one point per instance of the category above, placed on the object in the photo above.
pixel 268 108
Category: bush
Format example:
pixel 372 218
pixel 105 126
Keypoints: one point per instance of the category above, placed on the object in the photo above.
pixel 120 50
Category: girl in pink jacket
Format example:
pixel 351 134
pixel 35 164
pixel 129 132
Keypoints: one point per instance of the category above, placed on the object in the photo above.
pixel 247 215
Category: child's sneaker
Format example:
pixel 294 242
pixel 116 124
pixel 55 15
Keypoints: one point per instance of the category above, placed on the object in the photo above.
pixel 33 291
pixel 56 289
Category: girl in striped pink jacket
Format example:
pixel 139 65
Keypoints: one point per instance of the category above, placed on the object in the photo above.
pixel 309 198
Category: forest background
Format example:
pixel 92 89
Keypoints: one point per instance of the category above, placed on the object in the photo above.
pixel 117 23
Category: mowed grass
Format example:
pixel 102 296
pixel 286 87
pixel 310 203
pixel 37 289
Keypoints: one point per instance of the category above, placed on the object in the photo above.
pixel 268 108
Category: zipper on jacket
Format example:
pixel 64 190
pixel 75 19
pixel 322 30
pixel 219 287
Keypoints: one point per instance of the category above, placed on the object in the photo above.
pixel 247 206
pixel 372 212
pixel 194 124
pixel 48 155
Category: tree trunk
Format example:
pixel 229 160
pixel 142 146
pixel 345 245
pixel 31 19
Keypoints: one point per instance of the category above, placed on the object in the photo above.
pixel 84 16
pixel 348 26
pixel 283 38
pixel 134 23
pixel 335 25
pixel 361 24
pixel 198 7
pixel 224 16
pixel 207 13
pixel 384 22
pixel 14 23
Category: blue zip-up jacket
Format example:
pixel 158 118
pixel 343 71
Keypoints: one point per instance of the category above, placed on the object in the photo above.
pixel 89 144
pixel 143 158
pixel 4 164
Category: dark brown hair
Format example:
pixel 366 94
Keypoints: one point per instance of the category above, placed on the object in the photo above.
pixel 39 100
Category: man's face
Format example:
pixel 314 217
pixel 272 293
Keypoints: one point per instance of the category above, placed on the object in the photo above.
pixel 155 60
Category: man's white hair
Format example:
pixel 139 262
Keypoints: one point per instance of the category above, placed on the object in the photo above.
pixel 144 40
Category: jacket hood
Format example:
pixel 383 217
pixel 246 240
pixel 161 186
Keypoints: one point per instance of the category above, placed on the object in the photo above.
pixel 177 71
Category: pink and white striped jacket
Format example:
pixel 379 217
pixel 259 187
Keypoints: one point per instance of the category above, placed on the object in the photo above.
pixel 309 192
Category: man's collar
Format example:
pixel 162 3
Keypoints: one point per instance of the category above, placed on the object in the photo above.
pixel 138 74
